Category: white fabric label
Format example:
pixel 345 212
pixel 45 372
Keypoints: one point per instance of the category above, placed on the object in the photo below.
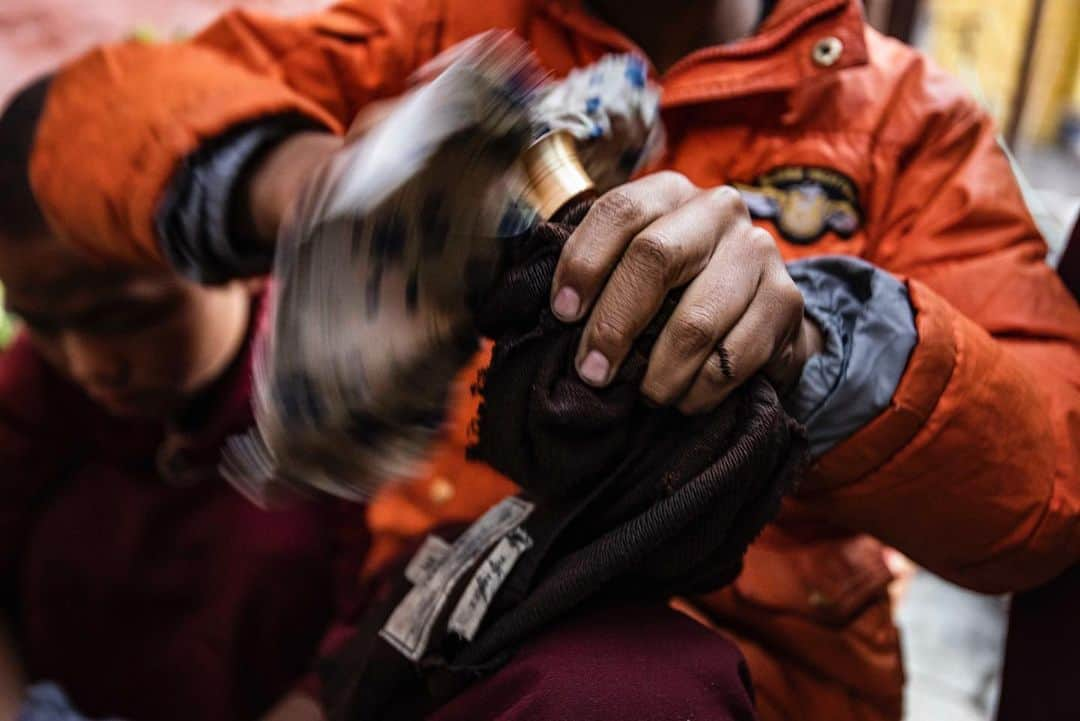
pixel 409 627
pixel 473 605
pixel 427 560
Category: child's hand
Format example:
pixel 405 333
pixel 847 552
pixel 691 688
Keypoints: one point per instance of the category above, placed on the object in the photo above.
pixel 741 312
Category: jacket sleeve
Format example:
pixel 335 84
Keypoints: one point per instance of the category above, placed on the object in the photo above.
pixel 973 470
pixel 121 119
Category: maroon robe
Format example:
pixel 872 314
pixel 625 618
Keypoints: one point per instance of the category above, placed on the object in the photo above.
pixel 153 599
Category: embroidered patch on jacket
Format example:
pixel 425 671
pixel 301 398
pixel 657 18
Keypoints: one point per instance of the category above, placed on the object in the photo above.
pixel 804 202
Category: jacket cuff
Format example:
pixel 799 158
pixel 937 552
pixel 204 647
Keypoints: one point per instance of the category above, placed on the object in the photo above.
pixel 868 324
pixel 928 372
pixel 195 222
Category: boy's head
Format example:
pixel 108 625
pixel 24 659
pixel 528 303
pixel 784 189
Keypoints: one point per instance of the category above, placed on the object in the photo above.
pixel 139 342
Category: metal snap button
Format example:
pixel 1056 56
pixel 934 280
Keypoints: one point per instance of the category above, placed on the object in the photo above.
pixel 441 490
pixel 827 51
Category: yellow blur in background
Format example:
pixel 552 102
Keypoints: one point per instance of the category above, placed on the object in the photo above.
pixel 983 42
pixel 1021 59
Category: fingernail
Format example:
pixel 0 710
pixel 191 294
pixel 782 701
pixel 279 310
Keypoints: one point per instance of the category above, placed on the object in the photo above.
pixel 567 304
pixel 594 369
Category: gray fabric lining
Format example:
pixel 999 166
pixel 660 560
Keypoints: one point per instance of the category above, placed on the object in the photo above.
pixel 869 327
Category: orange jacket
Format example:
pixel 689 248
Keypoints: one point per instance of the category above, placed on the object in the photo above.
pixel 973 469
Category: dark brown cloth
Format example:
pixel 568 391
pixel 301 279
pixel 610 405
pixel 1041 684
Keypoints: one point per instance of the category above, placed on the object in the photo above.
pixel 631 501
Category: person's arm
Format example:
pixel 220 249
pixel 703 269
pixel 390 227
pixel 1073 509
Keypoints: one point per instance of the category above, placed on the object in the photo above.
pixel 278 178
pixel 275 177
pixel 973 469
pixel 123 120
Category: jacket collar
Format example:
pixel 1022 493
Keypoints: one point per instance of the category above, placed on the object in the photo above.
pixel 778 57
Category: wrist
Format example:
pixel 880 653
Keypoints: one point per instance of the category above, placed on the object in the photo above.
pixel 813 339
pixel 277 178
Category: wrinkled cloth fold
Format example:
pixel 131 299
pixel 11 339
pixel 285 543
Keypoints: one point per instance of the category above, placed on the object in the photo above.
pixel 627 501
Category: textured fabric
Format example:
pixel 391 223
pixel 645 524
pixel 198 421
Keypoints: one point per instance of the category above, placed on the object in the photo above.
pixel 984 420
pixel 629 501
pixel 137 579
pixel 615 661
pixel 866 318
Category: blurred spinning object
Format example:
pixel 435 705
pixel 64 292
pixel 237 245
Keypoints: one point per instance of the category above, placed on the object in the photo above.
pixel 378 260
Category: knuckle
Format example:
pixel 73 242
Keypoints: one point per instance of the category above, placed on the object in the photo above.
pixel 789 297
pixel 676 180
pixel 727 200
pixel 579 264
pixel 762 239
pixel 652 253
pixel 618 208
pixel 691 332
pixel 762 245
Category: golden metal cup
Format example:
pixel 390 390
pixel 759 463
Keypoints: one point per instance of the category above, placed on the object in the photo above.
pixel 553 173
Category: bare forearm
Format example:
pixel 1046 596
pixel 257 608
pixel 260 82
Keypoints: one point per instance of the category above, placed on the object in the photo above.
pixel 279 177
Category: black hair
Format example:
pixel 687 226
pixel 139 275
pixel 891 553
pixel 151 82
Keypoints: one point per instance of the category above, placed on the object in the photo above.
pixel 19 212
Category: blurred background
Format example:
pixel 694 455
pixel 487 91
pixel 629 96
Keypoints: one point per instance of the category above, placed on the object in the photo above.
pixel 1021 58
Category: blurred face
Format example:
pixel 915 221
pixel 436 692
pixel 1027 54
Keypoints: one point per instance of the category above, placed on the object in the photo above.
pixel 138 342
